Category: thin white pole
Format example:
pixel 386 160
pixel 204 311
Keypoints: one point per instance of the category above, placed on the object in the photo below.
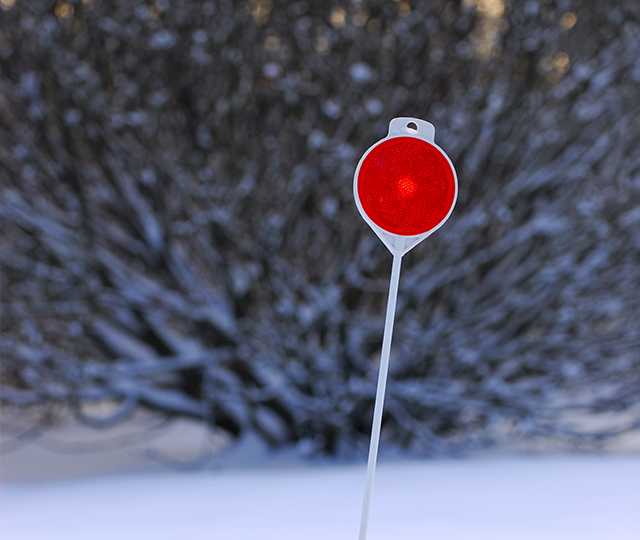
pixel 382 386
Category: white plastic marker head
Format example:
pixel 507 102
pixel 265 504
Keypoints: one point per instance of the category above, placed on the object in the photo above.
pixel 405 186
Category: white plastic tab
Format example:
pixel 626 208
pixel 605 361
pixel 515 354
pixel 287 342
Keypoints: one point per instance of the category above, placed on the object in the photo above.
pixel 412 127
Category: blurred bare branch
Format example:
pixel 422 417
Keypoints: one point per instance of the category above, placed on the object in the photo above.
pixel 179 233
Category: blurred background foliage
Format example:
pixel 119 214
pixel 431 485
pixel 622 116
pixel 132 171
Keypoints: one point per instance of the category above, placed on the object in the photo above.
pixel 179 234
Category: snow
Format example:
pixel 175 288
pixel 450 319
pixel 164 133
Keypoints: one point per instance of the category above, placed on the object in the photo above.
pixel 272 70
pixel 164 39
pixel 361 72
pixel 511 498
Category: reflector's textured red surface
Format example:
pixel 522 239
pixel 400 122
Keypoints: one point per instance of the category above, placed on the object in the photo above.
pixel 406 186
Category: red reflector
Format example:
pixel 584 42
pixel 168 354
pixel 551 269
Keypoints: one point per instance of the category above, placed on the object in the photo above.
pixel 406 186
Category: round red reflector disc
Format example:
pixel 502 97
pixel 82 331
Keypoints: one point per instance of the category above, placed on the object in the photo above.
pixel 406 186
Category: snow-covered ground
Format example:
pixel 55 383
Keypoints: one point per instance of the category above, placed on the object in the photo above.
pixel 512 498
